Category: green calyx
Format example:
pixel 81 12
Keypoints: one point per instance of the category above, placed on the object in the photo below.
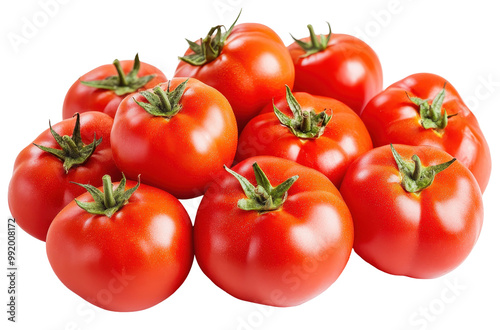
pixel 317 43
pixel 417 177
pixel 263 197
pixel 122 84
pixel 432 114
pixel 163 103
pixel 304 124
pixel 209 47
pixel 73 151
pixel 108 201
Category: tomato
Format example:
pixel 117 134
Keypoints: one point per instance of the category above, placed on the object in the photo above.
pixel 327 141
pixel 280 243
pixel 404 113
pixel 176 136
pixel 103 88
pixel 127 250
pixel 76 149
pixel 418 216
pixel 249 64
pixel 339 66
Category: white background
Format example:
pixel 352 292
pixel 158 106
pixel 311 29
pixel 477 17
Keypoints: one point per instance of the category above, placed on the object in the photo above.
pixel 457 41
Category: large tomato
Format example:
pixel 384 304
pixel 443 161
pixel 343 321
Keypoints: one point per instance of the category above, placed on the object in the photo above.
pixel 425 109
pixel 339 66
pixel 416 212
pixel 176 136
pixel 76 149
pixel 280 243
pixel 103 88
pixel 295 129
pixel 249 64
pixel 122 250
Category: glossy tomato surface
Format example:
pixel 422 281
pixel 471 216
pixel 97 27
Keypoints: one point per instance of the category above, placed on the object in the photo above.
pixel 131 261
pixel 391 117
pixel 40 187
pixel 344 139
pixel 253 67
pixel 422 235
pixel 347 70
pixel 178 154
pixel 280 258
pixel 81 98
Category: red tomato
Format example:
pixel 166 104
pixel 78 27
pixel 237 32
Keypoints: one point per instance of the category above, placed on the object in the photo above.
pixel 180 149
pixel 41 183
pixel 403 114
pixel 339 66
pixel 277 246
pixel 103 88
pixel 331 141
pixel 250 65
pixel 123 257
pixel 404 228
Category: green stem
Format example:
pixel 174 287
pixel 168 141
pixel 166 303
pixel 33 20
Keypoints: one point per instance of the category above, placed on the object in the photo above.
pixel 314 39
pixel 163 98
pixel 417 172
pixel 306 124
pixel 122 78
pixel 109 200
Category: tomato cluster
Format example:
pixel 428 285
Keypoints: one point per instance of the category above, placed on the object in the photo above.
pixel 324 162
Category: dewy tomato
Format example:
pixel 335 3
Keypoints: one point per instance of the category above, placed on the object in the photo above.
pixel 103 88
pixel 416 211
pixel 76 149
pixel 315 131
pixel 176 136
pixel 248 63
pixel 273 232
pixel 425 109
pixel 122 247
pixel 339 66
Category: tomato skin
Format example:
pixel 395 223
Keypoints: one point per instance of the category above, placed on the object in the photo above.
pixel 344 139
pixel 392 118
pixel 423 235
pixel 253 67
pixel 277 258
pixel 129 262
pixel 347 70
pixel 40 187
pixel 81 98
pixel 181 154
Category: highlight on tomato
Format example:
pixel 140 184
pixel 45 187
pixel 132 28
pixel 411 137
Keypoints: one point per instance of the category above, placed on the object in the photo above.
pixel 75 149
pixel 315 131
pixel 273 232
pixel 248 63
pixel 425 109
pixel 103 88
pixel 416 210
pixel 122 247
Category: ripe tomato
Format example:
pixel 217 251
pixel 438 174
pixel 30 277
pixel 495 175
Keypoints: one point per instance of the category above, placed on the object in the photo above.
pixel 419 217
pixel 249 64
pixel 76 149
pixel 327 141
pixel 103 88
pixel 278 245
pixel 404 114
pixel 127 251
pixel 176 136
pixel 339 66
